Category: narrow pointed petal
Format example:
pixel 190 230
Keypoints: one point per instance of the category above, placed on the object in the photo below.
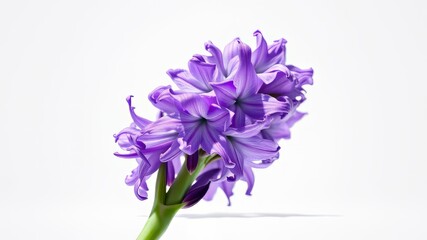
pixel 266 56
pixel 246 81
pixel 192 161
pixel 216 57
pixel 170 173
pixel 227 187
pixel 231 51
pixel 139 121
pixel 260 53
pixel 206 177
pixel 194 195
pixel 248 176
pixel 126 155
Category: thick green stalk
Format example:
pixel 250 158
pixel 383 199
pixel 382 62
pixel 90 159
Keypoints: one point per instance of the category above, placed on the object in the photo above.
pixel 166 205
pixel 161 215
pixel 158 222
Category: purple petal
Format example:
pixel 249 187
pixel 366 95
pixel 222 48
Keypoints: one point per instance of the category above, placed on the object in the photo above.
pixel 185 81
pixel 259 105
pixel 126 155
pixel 304 76
pixel 280 86
pixel 139 121
pixel 161 98
pixel 264 57
pixel 246 81
pixel 260 53
pixel 275 72
pixel 193 81
pixel 172 153
pixel 122 138
pixel 203 72
pixel 239 119
pixel 255 148
pixel 249 130
pixel 194 195
pixel 211 192
pixel 226 93
pixel 192 161
pixel 231 51
pixel 262 164
pixel 223 148
pixel 248 176
pixel 210 139
pixel 133 177
pixel 173 167
pixel 293 118
pixel 280 128
pixel 170 173
pixel 163 124
pixel 196 105
pixel 207 176
pixel 140 189
pixel 216 57
pixel 227 187
pixel 233 159
pixel 219 118
pixel 190 143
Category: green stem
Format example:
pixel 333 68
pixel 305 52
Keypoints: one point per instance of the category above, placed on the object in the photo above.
pixel 183 182
pixel 161 215
pixel 158 222
pixel 166 205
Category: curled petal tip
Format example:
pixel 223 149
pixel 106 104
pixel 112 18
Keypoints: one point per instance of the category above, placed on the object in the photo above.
pixel 197 58
pixel 257 32
pixel 172 72
pixel 208 45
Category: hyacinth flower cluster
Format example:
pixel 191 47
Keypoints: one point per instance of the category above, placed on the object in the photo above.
pixel 224 118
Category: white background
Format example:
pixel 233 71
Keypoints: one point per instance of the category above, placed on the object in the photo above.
pixel 354 169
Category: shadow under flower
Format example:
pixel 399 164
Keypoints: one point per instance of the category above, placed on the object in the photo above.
pixel 252 215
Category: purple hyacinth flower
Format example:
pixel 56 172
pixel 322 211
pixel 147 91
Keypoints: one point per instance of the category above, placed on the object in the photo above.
pixel 236 103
